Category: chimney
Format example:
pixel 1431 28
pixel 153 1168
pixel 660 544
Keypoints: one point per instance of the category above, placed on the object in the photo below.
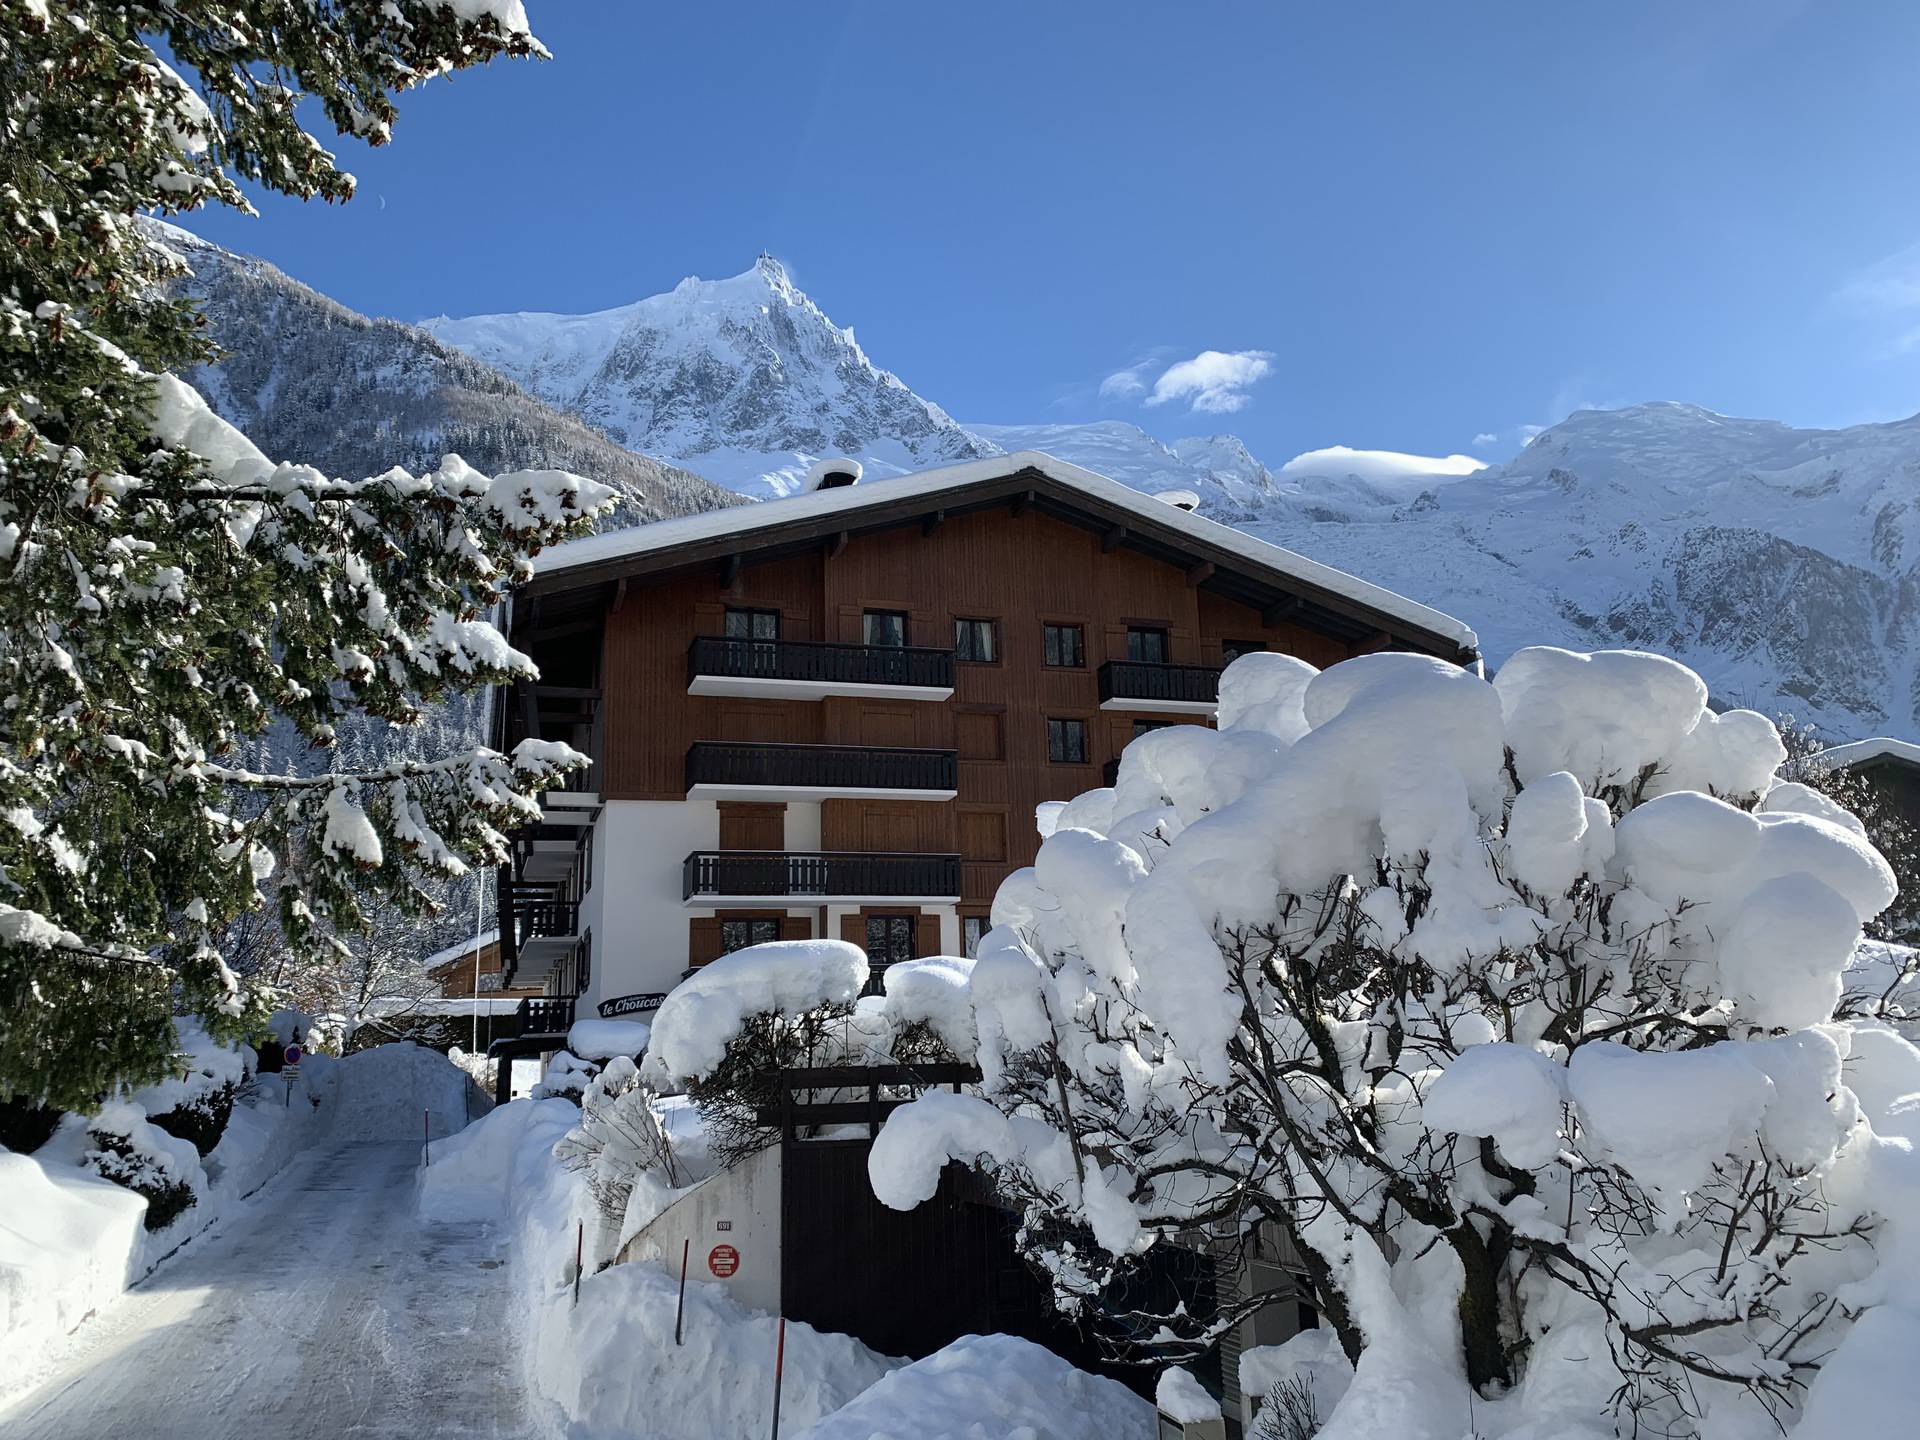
pixel 833 474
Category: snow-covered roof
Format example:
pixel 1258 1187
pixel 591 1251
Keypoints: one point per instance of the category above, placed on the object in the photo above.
pixel 463 948
pixel 744 523
pixel 1880 747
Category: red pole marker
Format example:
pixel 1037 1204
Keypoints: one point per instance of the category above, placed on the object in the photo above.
pixel 579 1249
pixel 680 1310
pixel 779 1365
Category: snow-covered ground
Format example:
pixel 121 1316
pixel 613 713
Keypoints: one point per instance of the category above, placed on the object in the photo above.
pixel 320 1307
pixel 78 1265
pixel 607 1368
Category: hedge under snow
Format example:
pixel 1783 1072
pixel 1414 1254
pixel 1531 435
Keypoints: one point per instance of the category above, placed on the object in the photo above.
pixel 1509 1006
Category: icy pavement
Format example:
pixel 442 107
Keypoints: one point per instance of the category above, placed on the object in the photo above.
pixel 324 1308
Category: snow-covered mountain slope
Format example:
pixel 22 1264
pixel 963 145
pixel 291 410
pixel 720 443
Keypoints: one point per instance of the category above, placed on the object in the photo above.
pixel 744 380
pixel 1217 468
pixel 1783 564
pixel 308 379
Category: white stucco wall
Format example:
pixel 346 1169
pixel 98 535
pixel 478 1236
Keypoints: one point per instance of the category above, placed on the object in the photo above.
pixel 803 826
pixel 639 923
pixel 738 1207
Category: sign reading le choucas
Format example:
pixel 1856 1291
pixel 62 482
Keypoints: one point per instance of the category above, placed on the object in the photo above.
pixel 630 1004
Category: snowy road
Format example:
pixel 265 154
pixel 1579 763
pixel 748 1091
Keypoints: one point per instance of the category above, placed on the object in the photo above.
pixel 325 1309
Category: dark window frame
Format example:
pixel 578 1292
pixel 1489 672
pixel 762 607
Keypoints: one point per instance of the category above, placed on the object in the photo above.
pixel 1052 635
pixel 978 925
pixel 906 628
pixel 751 923
pixel 753 614
pixel 1059 750
pixel 1142 633
pixel 993 640
pixel 897 933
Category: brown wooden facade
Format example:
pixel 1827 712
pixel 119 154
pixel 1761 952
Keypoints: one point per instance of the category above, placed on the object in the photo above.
pixel 1019 564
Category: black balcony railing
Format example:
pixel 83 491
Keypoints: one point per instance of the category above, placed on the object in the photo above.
pixel 821 767
pixel 776 873
pixel 819 662
pixel 545 1015
pixel 549 919
pixel 1137 680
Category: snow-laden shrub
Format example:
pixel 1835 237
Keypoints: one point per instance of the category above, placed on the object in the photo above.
pixel 195 1104
pixel 727 1030
pixel 620 1143
pixel 565 1078
pixel 1508 1007
pixel 129 1151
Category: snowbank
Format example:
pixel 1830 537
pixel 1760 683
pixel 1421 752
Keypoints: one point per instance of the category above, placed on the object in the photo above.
pixel 69 1243
pixel 609 1368
pixel 72 1242
pixel 384 1090
pixel 612 1368
pixel 987 1386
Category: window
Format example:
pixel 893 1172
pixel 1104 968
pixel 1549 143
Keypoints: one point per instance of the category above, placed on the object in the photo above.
pixel 972 929
pixel 1142 727
pixel 1067 742
pixel 1146 646
pixel 752 624
pixel 889 939
pixel 976 640
pixel 738 934
pixel 1066 646
pixel 884 627
pixel 1232 650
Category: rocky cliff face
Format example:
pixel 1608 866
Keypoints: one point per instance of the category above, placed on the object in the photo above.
pixel 308 379
pixel 745 380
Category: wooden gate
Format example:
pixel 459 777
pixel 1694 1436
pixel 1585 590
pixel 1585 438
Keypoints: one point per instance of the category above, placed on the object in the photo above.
pixel 909 1282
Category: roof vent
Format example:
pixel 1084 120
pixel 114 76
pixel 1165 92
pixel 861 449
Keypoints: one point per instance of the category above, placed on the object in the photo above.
pixel 1179 499
pixel 833 474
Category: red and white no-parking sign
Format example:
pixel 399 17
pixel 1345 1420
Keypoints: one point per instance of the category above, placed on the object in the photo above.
pixel 723 1260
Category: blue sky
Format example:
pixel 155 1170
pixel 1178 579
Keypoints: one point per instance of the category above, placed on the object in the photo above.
pixel 1417 226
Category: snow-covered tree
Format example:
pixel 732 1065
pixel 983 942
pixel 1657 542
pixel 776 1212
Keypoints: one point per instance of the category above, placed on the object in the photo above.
pixel 1891 832
pixel 1506 1007
pixel 166 591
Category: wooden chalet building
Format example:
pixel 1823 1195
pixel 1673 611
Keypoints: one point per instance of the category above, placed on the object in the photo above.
pixel 835 714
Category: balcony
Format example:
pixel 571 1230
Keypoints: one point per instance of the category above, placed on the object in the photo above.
pixel 813 670
pixel 750 770
pixel 544 1015
pixel 729 877
pixel 1159 689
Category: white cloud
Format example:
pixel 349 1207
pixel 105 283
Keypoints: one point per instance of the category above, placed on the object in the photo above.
pixel 1891 284
pixel 1127 383
pixel 1214 381
pixel 1388 469
pixel 1484 439
pixel 1887 294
